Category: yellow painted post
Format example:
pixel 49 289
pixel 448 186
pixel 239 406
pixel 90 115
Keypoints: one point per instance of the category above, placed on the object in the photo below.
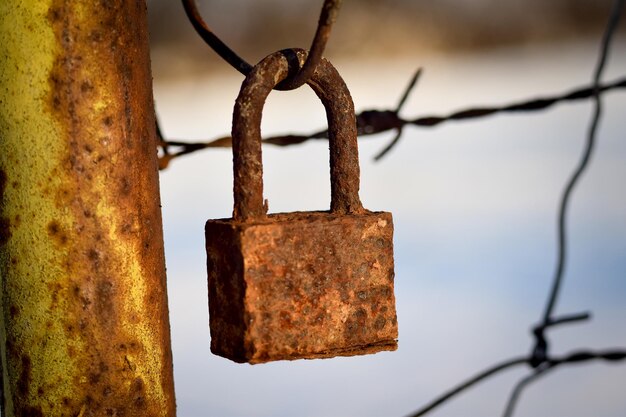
pixel 84 322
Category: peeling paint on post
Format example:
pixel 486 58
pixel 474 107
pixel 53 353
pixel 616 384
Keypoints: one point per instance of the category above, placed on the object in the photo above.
pixel 85 328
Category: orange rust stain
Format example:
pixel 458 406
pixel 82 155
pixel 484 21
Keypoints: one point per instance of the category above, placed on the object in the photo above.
pixel 56 232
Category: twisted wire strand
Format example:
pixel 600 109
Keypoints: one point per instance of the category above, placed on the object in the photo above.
pixel 371 122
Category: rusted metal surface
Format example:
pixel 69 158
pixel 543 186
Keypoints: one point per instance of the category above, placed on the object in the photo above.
pixel 85 328
pixel 371 122
pixel 304 284
pixel 247 164
pixel 301 285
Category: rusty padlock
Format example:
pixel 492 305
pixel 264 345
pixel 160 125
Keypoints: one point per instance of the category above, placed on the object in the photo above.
pixel 304 284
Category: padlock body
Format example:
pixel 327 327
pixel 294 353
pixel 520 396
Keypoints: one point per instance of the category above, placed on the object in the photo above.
pixel 301 285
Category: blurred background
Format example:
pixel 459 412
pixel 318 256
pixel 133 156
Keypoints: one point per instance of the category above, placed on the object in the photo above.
pixel 474 202
pixel 365 28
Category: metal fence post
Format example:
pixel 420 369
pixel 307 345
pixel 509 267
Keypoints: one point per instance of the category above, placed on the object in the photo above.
pixel 84 320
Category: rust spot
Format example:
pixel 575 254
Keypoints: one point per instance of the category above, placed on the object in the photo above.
pixel 138 393
pixel 54 15
pixel 56 232
pixel 94 378
pixel 93 255
pixel 53 228
pixel 64 194
pixel 14 311
pixel 56 101
pixel 125 186
pixel 95 36
pixel 56 90
pixel 126 228
pixel 54 78
pixel 54 289
pixel 71 352
pixel 380 322
pixel 24 381
pixel 140 401
pixel 137 385
pixel 40 391
pixel 86 86
pixel 108 121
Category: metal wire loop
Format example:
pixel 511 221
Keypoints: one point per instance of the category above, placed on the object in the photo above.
pixel 298 76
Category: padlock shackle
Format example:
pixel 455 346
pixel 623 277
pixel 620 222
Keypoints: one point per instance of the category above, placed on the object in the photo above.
pixel 246 135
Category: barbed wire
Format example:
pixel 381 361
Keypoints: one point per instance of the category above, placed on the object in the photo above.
pixel 374 121
pixel 540 359
pixel 552 362
pixel 371 121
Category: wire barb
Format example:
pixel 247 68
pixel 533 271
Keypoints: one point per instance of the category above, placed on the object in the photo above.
pixel 396 112
pixel 595 90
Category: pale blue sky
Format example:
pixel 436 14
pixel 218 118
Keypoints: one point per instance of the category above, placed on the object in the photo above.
pixel 474 206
